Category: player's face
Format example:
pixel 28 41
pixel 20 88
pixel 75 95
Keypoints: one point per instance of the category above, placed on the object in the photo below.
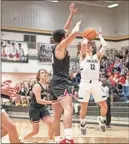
pixel 43 74
pixel 89 47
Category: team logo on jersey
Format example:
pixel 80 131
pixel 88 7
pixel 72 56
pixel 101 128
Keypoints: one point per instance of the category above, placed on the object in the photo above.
pixel 92 61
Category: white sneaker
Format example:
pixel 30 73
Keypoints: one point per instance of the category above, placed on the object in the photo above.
pixel 101 123
pixel 24 141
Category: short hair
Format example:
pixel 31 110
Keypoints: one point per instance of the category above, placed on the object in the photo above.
pixel 58 35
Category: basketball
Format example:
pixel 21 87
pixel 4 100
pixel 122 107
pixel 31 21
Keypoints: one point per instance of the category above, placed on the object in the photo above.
pixel 90 33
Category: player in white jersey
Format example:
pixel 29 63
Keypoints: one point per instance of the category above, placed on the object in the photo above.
pixel 90 84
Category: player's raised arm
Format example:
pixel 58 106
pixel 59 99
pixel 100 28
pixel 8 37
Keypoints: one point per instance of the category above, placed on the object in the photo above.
pixel 83 51
pixel 73 11
pixel 62 46
pixel 101 52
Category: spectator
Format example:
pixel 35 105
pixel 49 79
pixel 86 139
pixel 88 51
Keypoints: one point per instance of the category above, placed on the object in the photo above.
pixel 78 77
pixel 23 93
pixel 124 70
pixel 107 92
pixel 126 89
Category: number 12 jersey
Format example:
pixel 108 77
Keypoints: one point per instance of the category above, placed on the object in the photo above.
pixel 90 68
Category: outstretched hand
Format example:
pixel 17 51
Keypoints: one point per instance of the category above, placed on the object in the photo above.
pixel 72 8
pixel 77 27
pixel 100 31
pixel 8 90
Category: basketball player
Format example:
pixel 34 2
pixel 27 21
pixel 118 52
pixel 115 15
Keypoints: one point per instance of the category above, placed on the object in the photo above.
pixel 8 127
pixel 90 68
pixel 38 109
pixel 59 84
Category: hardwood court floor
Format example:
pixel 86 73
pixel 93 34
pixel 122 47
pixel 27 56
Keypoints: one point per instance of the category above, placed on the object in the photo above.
pixel 115 134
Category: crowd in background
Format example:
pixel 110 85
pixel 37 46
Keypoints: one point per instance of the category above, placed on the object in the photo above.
pixel 25 91
pixel 115 67
pixel 114 72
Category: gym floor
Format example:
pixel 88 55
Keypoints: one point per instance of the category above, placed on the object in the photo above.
pixel 115 134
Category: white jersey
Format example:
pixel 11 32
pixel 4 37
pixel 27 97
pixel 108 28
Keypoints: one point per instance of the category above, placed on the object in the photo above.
pixel 90 68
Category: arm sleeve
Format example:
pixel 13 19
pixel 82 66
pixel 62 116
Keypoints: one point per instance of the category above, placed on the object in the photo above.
pixel 103 43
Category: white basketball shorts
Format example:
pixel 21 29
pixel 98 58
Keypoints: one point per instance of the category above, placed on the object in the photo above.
pixel 86 89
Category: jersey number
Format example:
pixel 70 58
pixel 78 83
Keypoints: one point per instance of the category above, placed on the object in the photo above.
pixel 92 66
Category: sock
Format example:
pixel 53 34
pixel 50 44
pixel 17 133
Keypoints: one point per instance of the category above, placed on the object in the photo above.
pixel 68 133
pixel 83 121
pixel 103 118
pixel 57 139
pixel 50 141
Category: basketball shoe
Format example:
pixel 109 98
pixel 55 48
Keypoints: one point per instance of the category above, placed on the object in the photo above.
pixel 83 128
pixel 67 141
pixel 102 123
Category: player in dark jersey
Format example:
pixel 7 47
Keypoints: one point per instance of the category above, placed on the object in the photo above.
pixel 7 126
pixel 38 109
pixel 59 84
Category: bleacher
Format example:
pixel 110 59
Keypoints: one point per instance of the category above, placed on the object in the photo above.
pixel 119 109
pixel 119 112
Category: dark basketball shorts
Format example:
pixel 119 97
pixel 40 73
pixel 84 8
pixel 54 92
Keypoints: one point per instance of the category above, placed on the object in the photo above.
pixel 36 114
pixel 59 87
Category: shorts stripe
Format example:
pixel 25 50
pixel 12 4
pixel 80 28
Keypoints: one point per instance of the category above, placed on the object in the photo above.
pixel 63 96
pixel 34 121
pixel 46 117
pixel 103 96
